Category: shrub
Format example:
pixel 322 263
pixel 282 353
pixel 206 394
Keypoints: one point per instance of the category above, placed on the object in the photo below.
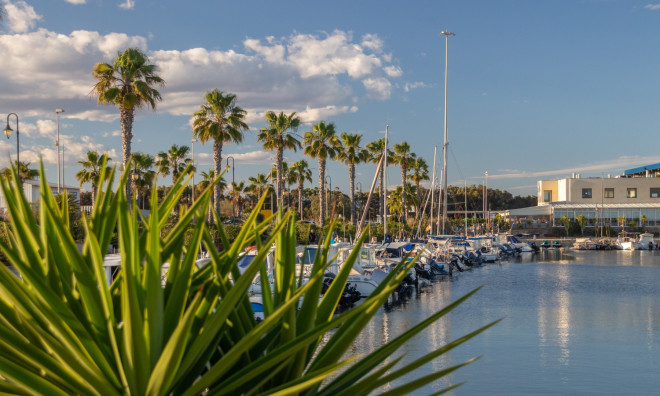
pixel 64 330
pixel 302 232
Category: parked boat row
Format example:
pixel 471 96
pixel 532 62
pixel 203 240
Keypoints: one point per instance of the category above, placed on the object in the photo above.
pixel 624 241
pixel 438 257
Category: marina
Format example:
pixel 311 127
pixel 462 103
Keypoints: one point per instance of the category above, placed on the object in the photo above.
pixel 573 322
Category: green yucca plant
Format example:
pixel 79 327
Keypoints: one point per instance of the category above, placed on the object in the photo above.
pixel 64 331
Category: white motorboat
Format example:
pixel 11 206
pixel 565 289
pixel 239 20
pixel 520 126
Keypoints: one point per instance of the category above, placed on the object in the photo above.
pixel 585 244
pixel 645 242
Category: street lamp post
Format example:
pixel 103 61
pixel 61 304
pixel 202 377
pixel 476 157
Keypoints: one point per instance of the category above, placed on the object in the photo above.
pixel 8 132
pixel 233 184
pixel 63 167
pixel 327 201
pixel 57 144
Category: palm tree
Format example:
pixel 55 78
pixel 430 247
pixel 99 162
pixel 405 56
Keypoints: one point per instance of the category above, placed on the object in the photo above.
pixel 352 154
pixel 24 171
pixel 273 176
pixel 259 184
pixel 220 119
pixel 376 150
pixel 144 174
pixel 300 172
pixel 402 158
pixel 399 205
pixel 322 143
pixel 236 190
pixel 207 179
pixel 176 159
pixel 129 84
pixel 420 172
pixel 275 137
pixel 91 171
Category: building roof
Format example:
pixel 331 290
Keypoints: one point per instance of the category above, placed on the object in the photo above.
pixel 564 205
pixel 547 208
pixel 531 211
pixel 642 169
pixel 53 186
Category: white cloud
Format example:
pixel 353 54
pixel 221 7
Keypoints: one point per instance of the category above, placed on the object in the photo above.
pixel 21 17
pixel 310 115
pixel 410 86
pixel 74 147
pixel 252 157
pixel 378 88
pixel 61 72
pixel 48 128
pixel 652 7
pixel 272 53
pixel 127 5
pixel 372 41
pixel 305 73
pixel 274 73
pixel 614 167
pixel 393 71
pixel 76 1
pixel 115 133
pixel 334 54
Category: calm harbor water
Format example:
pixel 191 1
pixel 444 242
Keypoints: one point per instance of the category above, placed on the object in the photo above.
pixel 574 323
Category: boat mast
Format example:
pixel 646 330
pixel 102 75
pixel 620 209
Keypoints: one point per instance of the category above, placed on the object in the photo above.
pixel 435 152
pixel 371 191
pixel 446 33
pixel 442 173
pixel 602 203
pixel 385 186
pixel 465 209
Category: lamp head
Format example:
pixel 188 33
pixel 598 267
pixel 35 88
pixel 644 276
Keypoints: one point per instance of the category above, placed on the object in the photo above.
pixel 58 111
pixel 8 131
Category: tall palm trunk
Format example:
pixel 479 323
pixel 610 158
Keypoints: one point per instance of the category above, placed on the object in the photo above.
pixel 351 179
pixel 419 201
pixel 322 213
pixel 300 194
pixel 126 120
pixel 217 168
pixel 403 192
pixel 280 182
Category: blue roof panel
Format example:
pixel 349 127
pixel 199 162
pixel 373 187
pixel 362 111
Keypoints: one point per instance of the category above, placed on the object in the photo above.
pixel 642 169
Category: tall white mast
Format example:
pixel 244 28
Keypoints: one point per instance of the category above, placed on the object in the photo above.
pixel 435 153
pixel 465 209
pixel 385 185
pixel 446 33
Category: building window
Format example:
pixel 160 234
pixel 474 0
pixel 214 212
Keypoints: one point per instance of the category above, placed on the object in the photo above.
pixel 609 193
pixel 655 192
pixel 547 195
pixel 586 193
pixel 632 193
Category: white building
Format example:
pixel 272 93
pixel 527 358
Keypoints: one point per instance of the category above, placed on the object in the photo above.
pixel 31 192
pixel 633 196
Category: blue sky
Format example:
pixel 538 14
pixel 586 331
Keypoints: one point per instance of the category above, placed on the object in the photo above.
pixel 537 89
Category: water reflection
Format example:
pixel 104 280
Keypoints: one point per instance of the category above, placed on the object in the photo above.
pixel 575 321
